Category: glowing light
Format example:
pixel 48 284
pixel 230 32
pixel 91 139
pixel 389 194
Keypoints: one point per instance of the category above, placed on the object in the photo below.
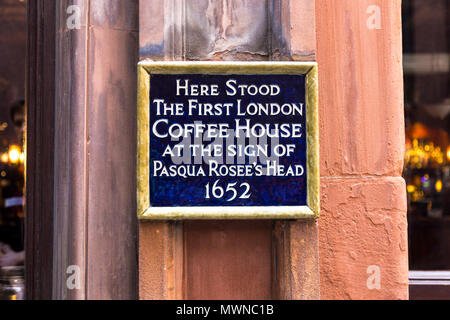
pixel 448 153
pixel 5 157
pixel 438 186
pixel 411 188
pixel 22 157
pixel 421 154
pixel 14 154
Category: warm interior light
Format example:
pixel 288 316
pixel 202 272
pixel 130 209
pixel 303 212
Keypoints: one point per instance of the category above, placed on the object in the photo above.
pixel 411 188
pixel 438 186
pixel 4 158
pixel 14 154
pixel 448 154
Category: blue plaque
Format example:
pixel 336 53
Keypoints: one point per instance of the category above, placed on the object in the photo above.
pixel 227 140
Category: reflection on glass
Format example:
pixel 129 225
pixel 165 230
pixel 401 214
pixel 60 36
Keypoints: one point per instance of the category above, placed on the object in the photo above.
pixel 13 43
pixel 427 119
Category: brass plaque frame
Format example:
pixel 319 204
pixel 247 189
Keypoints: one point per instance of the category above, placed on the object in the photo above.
pixel 145 211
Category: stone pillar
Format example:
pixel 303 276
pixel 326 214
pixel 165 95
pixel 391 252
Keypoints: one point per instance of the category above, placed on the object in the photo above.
pixel 94 129
pixel 363 226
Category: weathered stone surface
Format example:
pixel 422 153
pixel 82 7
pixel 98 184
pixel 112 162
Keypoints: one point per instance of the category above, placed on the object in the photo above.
pixel 296 260
pixel 227 259
pixel 151 29
pixel 111 158
pixel 160 277
pixel 218 27
pixel 114 14
pixel 361 89
pixel 227 30
pixel 363 217
pixel 302 30
pixel 362 224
